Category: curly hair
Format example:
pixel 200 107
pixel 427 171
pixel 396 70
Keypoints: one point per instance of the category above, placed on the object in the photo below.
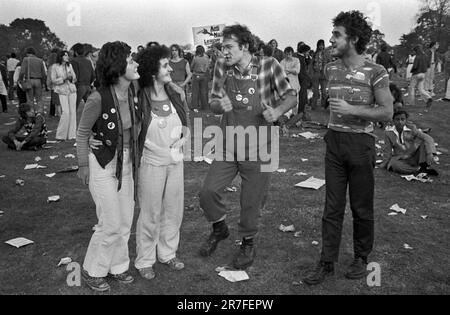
pixel 112 62
pixel 400 112
pixel 356 25
pixel 242 34
pixel 149 64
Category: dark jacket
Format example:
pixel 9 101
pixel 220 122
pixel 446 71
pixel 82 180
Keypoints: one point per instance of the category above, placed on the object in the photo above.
pixel 108 129
pixel 83 70
pixel 145 103
pixel 385 60
pixel 420 65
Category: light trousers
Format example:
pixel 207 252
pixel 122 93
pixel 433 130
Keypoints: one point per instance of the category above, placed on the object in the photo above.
pixel 429 79
pixel 161 197
pixel 108 248
pixel 67 127
pixel 419 80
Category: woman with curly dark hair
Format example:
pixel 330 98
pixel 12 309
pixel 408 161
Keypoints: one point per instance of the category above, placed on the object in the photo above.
pixel 161 189
pixel 112 115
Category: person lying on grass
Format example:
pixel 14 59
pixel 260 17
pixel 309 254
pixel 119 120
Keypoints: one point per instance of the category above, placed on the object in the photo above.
pixel 408 150
pixel 29 132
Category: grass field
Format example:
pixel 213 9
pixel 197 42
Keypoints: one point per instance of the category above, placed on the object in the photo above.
pixel 63 229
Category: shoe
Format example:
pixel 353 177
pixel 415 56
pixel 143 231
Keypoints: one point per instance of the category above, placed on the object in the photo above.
pixel 147 273
pixel 318 275
pixel 245 256
pixel 219 233
pixel 98 284
pixel 357 269
pixel 429 102
pixel 175 264
pixel 123 277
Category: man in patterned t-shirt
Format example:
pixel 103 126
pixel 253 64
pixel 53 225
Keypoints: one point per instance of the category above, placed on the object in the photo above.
pixel 359 94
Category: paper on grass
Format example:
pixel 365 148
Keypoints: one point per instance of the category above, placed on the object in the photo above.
pixel 52 157
pixel 304 160
pixel 286 228
pixel 53 198
pixel 19 242
pixel 50 175
pixel 30 166
pixel 52 141
pixel 309 135
pixel 281 170
pixel 312 182
pixel 397 208
pixel 37 159
pixel 234 275
pixel 65 261
pixel 71 156
pixel 2 176
pixel 300 174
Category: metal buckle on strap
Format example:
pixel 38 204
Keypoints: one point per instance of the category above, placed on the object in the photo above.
pixel 230 72
pixel 254 77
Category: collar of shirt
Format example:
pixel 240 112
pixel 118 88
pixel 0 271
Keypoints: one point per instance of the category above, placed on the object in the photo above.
pixel 254 62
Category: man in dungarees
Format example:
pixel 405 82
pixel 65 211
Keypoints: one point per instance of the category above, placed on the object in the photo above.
pixel 244 90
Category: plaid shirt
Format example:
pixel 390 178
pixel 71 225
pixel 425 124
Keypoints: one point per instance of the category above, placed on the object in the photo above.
pixel 271 83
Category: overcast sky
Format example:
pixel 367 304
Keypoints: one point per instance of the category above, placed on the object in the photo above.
pixel 171 21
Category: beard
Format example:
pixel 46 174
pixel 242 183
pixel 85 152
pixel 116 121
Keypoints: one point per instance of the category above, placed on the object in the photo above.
pixel 341 52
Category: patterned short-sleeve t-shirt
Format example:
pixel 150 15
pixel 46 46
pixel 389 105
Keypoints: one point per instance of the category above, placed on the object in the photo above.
pixel 357 87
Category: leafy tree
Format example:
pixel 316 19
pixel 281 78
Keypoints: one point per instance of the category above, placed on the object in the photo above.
pixel 26 32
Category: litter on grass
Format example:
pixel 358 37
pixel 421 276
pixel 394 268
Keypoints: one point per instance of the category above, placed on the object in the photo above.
pixel 288 228
pixel 397 208
pixel 312 182
pixel 234 275
pixel 65 261
pixel 19 242
pixel 53 198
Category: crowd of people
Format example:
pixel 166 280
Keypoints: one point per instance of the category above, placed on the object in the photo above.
pixel 136 121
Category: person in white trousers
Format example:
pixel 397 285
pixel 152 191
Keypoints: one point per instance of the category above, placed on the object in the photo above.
pixel 63 79
pixel 111 117
pixel 161 187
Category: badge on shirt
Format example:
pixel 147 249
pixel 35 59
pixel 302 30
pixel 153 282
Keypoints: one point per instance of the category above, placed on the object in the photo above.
pixel 111 126
pixel 105 116
pixel 162 123
pixel 251 91
pixel 239 97
pixel 166 107
pixel 135 99
pixel 113 110
pixel 108 143
pixel 245 101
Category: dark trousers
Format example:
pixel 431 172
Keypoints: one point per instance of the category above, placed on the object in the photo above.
pixel 303 94
pixel 349 160
pixel 21 95
pixel 4 103
pixel 11 85
pixel 35 142
pixel 253 191
pixel 83 91
pixel 54 101
pixel 318 79
pixel 200 92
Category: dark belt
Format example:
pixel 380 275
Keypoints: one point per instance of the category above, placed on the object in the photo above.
pixel 35 78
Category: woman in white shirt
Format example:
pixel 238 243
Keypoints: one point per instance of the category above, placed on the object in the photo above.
pixel 63 80
pixel 291 67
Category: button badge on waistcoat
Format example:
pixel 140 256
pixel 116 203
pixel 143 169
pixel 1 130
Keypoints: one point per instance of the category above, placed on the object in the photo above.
pixel 239 97
pixel 108 143
pixel 162 123
pixel 251 91
pixel 135 99
pixel 166 107
pixel 113 110
pixel 245 101
pixel 111 126
pixel 105 116
pixel 101 134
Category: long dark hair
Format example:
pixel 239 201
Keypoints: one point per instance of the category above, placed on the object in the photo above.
pixel 112 62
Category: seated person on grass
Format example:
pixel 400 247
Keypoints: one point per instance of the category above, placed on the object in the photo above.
pixel 29 132
pixel 407 149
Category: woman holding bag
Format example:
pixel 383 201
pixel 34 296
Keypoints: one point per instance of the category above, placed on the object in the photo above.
pixel 63 80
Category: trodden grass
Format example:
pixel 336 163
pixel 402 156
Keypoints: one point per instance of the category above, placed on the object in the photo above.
pixel 63 229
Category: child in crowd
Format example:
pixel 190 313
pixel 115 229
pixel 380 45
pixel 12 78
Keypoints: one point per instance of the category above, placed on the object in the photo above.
pixel 29 132
pixel 407 149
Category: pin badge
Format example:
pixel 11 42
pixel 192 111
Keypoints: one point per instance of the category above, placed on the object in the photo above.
pixel 111 125
pixel 105 116
pixel 135 99
pixel 245 101
pixel 113 110
pixel 239 97
pixel 166 107
pixel 251 91
pixel 101 134
pixel 249 108
pixel 162 124
pixel 108 143
pixel 135 107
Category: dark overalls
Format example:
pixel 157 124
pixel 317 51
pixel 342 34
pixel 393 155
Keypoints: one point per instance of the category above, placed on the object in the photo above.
pixel 242 158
